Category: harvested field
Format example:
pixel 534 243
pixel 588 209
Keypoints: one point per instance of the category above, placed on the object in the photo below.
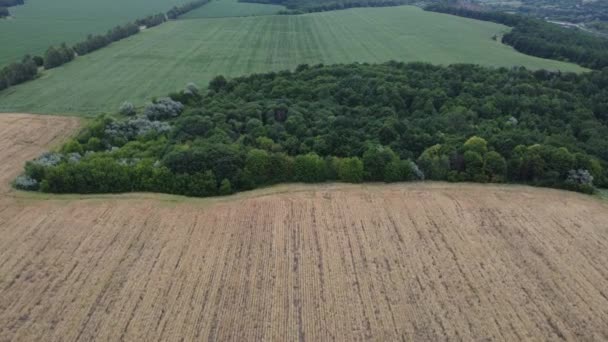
pixel 424 261
pixel 23 137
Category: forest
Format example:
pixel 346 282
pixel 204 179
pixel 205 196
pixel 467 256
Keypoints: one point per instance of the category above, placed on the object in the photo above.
pixel 352 123
pixel 539 38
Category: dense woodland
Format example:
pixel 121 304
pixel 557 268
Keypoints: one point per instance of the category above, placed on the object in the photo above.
pixel 352 123
pixel 23 71
pixel 539 38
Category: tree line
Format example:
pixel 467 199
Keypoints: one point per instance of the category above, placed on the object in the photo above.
pixel 352 123
pixel 178 11
pixel 308 6
pixel 539 38
pixel 55 56
pixel 5 4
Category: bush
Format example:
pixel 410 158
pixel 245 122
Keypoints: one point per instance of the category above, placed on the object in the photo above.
pixel 580 177
pixel 580 180
pixel 27 183
pixel 123 131
pixel 127 109
pixel 350 170
pixel 399 171
pixel 164 108
pixel 17 73
pixel 309 168
pixel 55 57
pixel 225 187
pixel 375 160
pixel 218 83
pixel 192 89
pixel 38 60
pixel 258 166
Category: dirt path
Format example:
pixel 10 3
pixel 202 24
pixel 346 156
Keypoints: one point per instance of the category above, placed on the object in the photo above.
pixel 385 263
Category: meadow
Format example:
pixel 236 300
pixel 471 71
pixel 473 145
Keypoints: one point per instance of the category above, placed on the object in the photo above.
pixel 39 23
pixel 231 8
pixel 165 58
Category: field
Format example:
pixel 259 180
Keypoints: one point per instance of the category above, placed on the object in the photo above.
pixel 232 8
pixel 426 261
pixel 40 23
pixel 164 59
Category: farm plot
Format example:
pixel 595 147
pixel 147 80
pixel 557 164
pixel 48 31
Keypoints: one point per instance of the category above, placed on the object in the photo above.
pixel 23 136
pixel 164 59
pixel 422 261
pixel 40 23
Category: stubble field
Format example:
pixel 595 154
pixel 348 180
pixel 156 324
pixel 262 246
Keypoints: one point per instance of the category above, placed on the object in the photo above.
pixel 424 261
pixel 165 58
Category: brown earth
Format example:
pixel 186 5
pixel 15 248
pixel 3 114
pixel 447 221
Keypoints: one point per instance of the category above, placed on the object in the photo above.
pixel 406 262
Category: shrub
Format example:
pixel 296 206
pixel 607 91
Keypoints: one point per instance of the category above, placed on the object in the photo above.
pixel 350 170
pixel 25 182
pixel 375 160
pixel 399 171
pixel 191 89
pixel 49 159
pixel 55 57
pixel 133 128
pixel 38 60
pixel 581 177
pixel 218 83
pixel 164 108
pixel 127 109
pixel 309 168
pixel 225 187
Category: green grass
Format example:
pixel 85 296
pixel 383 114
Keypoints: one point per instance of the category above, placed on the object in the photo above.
pixel 164 59
pixel 40 23
pixel 231 8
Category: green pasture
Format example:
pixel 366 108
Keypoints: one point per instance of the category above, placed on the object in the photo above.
pixel 40 23
pixel 165 58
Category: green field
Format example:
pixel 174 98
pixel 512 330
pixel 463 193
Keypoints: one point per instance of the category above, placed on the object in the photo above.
pixel 231 8
pixel 165 58
pixel 40 23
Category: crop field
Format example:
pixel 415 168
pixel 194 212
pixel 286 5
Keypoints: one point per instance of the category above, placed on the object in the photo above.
pixel 40 23
pixel 426 261
pixel 165 58
pixel 231 8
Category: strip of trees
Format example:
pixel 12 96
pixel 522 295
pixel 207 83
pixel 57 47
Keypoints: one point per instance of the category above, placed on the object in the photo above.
pixel 177 11
pixel 5 4
pixel 308 6
pixel 19 72
pixel 352 123
pixel 541 39
pixel 315 6
pixel 55 56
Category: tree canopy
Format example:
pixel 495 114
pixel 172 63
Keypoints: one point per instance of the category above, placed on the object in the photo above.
pixel 388 122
